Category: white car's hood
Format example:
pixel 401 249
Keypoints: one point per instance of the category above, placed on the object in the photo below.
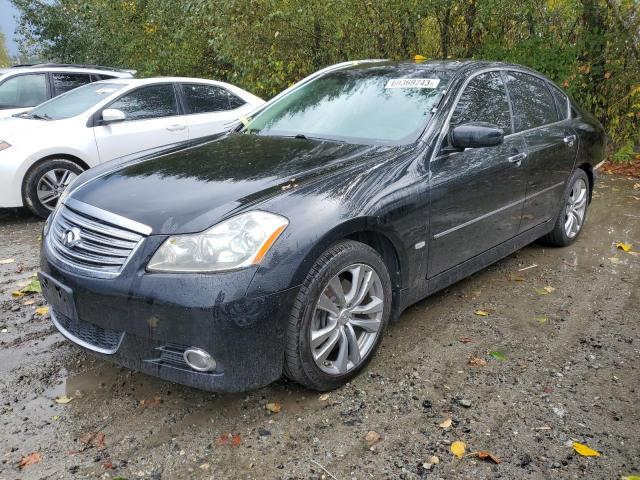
pixel 13 127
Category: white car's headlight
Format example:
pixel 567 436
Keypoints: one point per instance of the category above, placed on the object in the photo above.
pixel 235 243
pixel 4 145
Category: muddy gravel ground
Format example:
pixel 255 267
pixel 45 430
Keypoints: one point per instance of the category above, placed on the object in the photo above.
pixel 569 371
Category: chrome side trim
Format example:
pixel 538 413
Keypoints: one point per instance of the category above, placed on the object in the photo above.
pixel 108 216
pixel 80 342
pixel 477 219
pixel 544 190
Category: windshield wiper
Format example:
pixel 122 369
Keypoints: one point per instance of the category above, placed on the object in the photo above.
pixel 37 116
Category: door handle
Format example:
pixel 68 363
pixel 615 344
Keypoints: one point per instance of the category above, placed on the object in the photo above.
pixel 174 128
pixel 569 140
pixel 517 159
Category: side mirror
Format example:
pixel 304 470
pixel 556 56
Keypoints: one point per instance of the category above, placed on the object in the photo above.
pixel 112 115
pixel 476 135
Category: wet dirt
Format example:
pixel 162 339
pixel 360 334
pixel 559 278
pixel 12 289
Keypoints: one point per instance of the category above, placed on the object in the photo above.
pixel 570 372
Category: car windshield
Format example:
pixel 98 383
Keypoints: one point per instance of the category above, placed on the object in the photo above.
pixel 385 105
pixel 74 102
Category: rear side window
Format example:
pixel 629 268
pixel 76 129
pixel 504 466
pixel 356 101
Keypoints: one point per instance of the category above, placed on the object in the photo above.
pixel 102 76
pixel 63 82
pixel 562 102
pixel 208 98
pixel 533 105
pixel 484 100
pixel 23 91
pixel 153 101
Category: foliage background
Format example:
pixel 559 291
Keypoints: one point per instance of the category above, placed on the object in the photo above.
pixel 590 47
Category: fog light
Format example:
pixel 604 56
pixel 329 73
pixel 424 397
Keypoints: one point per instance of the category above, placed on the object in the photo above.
pixel 199 360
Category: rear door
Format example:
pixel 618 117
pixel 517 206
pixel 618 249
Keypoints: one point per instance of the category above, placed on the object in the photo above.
pixel 153 119
pixel 62 82
pixel 551 143
pixel 476 194
pixel 211 109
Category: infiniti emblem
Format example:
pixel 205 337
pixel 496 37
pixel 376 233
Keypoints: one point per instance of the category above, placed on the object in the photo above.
pixel 71 238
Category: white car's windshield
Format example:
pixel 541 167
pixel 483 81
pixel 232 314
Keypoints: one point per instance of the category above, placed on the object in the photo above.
pixel 74 102
pixel 370 105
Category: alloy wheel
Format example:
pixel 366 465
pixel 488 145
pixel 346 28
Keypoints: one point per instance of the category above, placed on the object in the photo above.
pixel 52 184
pixel 576 208
pixel 347 319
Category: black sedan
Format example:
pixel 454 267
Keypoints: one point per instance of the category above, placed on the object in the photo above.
pixel 287 246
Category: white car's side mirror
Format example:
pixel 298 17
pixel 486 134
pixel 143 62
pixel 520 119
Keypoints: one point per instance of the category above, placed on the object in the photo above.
pixel 112 115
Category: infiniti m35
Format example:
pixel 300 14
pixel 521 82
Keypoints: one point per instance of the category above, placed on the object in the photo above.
pixel 287 246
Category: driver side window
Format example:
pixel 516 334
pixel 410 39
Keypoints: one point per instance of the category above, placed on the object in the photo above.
pixel 484 99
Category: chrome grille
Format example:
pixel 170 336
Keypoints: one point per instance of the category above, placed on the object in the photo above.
pixel 89 243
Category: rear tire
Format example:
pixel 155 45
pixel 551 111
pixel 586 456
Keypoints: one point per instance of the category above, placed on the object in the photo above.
pixel 45 182
pixel 338 317
pixel 573 213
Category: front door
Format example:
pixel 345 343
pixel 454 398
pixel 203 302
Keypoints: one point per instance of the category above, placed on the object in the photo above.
pixel 476 194
pixel 151 120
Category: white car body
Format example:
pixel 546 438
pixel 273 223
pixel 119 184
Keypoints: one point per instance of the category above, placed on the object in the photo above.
pixel 85 141
pixel 51 82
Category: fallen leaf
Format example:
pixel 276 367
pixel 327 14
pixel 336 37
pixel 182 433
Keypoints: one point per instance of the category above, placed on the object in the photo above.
pixel 274 407
pixel 108 465
pixel 542 291
pixel 584 450
pixel 228 439
pixel 324 397
pixel 63 399
pixel 372 438
pixel 17 294
pixel 484 455
pixel 236 440
pixel 625 247
pixel 33 457
pixel 636 186
pixel 433 460
pixel 477 362
pixel 26 303
pixel 42 311
pixel 7 261
pixel 541 319
pixel 464 339
pixel 516 278
pixel 446 423
pixel 549 289
pixel 33 287
pixel 458 448
pixel 631 477
pixel 419 58
pixel 481 313
pixel 498 355
pixel 151 402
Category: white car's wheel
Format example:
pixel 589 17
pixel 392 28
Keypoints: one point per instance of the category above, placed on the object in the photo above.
pixel 44 184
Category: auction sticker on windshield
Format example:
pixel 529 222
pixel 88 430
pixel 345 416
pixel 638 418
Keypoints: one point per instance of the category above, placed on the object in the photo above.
pixel 413 83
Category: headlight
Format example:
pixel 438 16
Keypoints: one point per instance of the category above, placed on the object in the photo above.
pixel 235 243
pixel 4 145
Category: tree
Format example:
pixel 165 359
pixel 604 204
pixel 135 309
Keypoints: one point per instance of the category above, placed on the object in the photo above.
pixel 5 60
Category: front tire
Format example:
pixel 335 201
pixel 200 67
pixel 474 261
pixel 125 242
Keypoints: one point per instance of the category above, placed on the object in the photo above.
pixel 338 317
pixel 573 213
pixel 44 184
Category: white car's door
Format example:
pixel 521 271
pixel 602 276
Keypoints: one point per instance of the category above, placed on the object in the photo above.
pixel 152 119
pixel 211 109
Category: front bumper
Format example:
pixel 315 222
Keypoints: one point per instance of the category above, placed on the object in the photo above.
pixel 157 316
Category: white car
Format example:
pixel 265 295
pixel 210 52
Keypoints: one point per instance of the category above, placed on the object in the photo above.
pixel 24 86
pixel 43 150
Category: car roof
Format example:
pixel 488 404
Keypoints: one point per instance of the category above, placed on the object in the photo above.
pixel 64 67
pixel 453 66
pixel 152 80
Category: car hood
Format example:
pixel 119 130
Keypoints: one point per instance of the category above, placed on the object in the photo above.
pixel 13 126
pixel 192 189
